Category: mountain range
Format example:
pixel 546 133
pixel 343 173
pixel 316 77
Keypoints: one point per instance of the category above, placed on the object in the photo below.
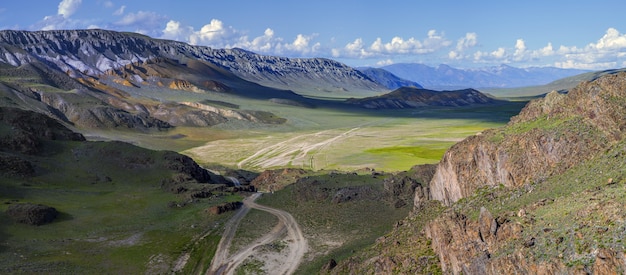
pixel 543 194
pixel 107 79
pixel 444 77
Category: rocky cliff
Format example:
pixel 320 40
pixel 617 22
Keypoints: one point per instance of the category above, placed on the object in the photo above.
pixel 542 195
pixel 549 136
pixel 547 174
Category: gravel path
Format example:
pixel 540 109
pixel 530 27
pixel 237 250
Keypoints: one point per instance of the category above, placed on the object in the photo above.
pixel 282 263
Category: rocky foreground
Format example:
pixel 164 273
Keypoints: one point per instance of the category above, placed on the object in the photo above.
pixel 543 195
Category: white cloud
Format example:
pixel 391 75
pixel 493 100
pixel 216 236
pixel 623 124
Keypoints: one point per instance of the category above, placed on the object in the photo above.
pixel 612 40
pixel 68 7
pixel 385 62
pixel 608 52
pixel 175 31
pixel 119 11
pixel 546 51
pixel 520 49
pixel 214 34
pixel 396 46
pixel 470 40
pixel 108 4
pixel 217 34
pixel 499 53
pixel 145 22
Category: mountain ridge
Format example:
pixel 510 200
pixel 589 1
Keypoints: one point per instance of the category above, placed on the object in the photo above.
pixel 502 76
pixel 412 97
pixel 93 52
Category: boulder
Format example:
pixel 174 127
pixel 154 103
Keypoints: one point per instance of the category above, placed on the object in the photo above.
pixel 32 214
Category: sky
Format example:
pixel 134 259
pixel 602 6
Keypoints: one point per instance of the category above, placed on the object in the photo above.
pixel 465 34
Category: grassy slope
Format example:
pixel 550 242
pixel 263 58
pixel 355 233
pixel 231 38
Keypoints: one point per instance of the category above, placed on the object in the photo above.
pixel 335 230
pixel 121 226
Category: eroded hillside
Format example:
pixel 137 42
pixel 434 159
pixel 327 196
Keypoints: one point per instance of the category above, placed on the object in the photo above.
pixel 543 195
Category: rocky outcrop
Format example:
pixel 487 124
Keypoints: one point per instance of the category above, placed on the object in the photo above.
pixel 11 165
pixel 411 97
pixel 274 180
pixel 186 166
pixel 546 138
pixel 226 207
pixel 32 214
pixel 254 116
pixel 27 130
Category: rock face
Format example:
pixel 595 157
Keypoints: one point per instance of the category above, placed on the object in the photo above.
pixel 32 214
pixel 546 138
pixel 411 97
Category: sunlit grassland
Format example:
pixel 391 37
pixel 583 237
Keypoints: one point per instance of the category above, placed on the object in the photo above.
pixel 330 136
pixel 328 139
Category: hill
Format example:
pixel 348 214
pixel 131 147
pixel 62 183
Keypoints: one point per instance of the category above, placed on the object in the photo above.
pixel 117 207
pixel 444 77
pixel 409 97
pixel 541 195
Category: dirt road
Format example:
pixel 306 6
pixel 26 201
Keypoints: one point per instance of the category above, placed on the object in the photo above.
pixel 287 264
pixel 296 150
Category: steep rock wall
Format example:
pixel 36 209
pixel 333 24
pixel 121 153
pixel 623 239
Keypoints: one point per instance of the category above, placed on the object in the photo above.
pixel 547 137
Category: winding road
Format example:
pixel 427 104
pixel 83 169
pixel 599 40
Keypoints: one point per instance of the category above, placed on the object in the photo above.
pixel 297 244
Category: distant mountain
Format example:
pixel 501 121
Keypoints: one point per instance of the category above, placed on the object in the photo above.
pixel 411 97
pixel 93 52
pixel 563 84
pixel 503 76
pixel 108 79
pixel 388 79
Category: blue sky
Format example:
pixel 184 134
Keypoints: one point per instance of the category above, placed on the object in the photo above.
pixel 566 34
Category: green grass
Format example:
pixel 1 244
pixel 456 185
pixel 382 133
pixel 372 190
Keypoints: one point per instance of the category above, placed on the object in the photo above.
pixel 256 224
pixel 116 226
pixel 335 230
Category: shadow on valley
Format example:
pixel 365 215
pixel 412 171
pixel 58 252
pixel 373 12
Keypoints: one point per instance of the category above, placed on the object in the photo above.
pixel 499 112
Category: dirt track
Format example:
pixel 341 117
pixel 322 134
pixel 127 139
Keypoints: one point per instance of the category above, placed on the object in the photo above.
pixel 295 150
pixel 284 264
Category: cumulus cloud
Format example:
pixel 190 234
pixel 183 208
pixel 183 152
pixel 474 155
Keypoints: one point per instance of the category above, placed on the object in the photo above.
pixel 520 49
pixel 396 46
pixel 219 35
pixel 68 7
pixel 468 41
pixel 175 31
pixel 608 52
